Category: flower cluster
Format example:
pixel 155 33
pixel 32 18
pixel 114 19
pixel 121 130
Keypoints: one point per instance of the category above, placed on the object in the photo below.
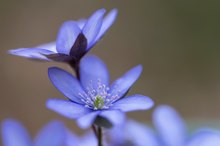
pixel 92 101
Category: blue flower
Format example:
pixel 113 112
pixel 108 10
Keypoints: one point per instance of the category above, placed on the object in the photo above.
pixel 131 133
pixel 87 139
pixel 171 132
pixel 74 39
pixel 92 97
pixel 14 134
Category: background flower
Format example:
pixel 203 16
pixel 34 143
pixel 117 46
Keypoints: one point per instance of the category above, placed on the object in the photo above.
pixel 92 97
pixel 74 39
pixel 87 139
pixel 14 134
pixel 171 131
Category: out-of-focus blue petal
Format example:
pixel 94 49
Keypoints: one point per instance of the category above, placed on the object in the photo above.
pixel 67 108
pixel 116 117
pixel 71 139
pixel 92 71
pixel 67 36
pixel 87 120
pixel 169 125
pixel 81 23
pixel 48 46
pixel 66 83
pixel 140 134
pixel 93 26
pixel 123 84
pixel 88 139
pixel 53 134
pixel 14 134
pixel 133 102
pixel 33 53
pixel 205 137
pixel 106 24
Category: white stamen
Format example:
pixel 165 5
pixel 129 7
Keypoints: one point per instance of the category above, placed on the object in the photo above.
pixel 99 97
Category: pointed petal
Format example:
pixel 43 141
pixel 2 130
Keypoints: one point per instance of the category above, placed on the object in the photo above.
pixel 205 137
pixel 32 53
pixel 48 46
pixel 67 108
pixel 93 26
pixel 106 24
pixel 66 83
pixel 140 134
pixel 14 134
pixel 67 36
pixel 133 102
pixel 81 23
pixel 170 125
pixel 116 117
pixel 53 134
pixel 93 71
pixel 87 120
pixel 124 83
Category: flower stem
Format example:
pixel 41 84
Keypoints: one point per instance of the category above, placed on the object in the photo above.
pixel 98 133
pixel 95 131
pixel 100 136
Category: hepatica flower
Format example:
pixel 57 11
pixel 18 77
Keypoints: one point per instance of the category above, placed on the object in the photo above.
pixel 171 131
pixel 131 134
pixel 14 134
pixel 93 98
pixel 74 39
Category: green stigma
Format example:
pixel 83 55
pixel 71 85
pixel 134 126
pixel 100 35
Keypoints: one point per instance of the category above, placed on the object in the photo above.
pixel 99 102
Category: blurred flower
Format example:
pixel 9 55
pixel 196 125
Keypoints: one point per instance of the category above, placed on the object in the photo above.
pixel 171 132
pixel 131 134
pixel 87 139
pixel 91 99
pixel 14 134
pixel 74 39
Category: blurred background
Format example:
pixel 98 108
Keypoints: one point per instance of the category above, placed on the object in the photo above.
pixel 177 42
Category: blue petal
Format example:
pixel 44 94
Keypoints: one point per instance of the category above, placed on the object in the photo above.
pixel 87 120
pixel 14 134
pixel 67 108
pixel 67 36
pixel 124 83
pixel 33 53
pixel 81 23
pixel 93 26
pixel 170 126
pixel 132 103
pixel 92 72
pixel 116 117
pixel 205 137
pixel 48 46
pixel 140 134
pixel 107 23
pixel 66 83
pixel 88 139
pixel 53 134
pixel 71 139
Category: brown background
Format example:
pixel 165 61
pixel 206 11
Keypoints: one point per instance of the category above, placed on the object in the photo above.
pixel 177 42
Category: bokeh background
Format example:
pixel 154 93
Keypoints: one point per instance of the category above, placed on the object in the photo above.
pixel 177 42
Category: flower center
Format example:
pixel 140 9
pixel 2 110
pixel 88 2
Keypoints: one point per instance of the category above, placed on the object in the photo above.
pixel 99 102
pixel 98 97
